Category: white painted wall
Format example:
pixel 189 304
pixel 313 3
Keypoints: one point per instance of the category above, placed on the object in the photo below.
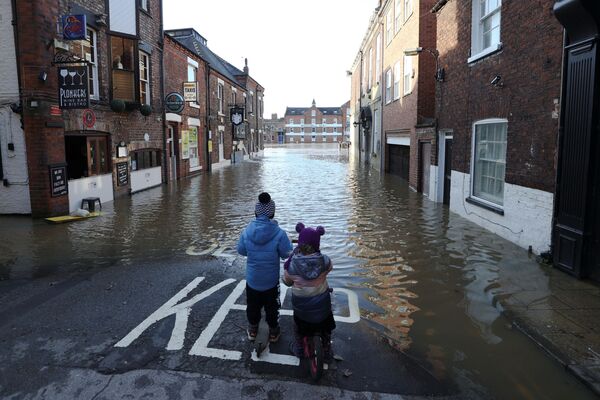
pixel 14 199
pixel 145 178
pixel 94 186
pixel 434 194
pixel 527 219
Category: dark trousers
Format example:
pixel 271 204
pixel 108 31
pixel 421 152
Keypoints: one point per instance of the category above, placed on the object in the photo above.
pixel 256 300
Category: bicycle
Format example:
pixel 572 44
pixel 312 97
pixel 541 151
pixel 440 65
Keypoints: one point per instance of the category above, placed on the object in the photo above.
pixel 312 346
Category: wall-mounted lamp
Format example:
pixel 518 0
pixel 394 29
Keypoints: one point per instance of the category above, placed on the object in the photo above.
pixel 439 72
pixel 43 75
pixel 497 81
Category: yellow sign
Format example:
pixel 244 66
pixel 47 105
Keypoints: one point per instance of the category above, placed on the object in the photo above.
pixel 185 145
pixel 190 91
pixel 210 146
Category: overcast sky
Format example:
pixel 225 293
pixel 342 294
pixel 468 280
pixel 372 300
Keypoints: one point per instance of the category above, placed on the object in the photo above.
pixel 297 50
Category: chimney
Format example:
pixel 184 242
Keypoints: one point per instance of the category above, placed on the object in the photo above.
pixel 246 66
pixel 274 116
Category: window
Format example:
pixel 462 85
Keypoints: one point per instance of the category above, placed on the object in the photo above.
pixel 301 121
pixel 146 158
pixel 313 121
pixel 378 59
pixel 193 148
pixel 250 102
pixel 335 120
pixel 324 120
pixel 408 9
pixel 324 130
pixel 485 36
pixel 397 80
pixel 408 74
pixel 389 27
pixel 86 156
pixel 370 68
pixel 123 70
pixel 388 86
pixel 313 130
pixel 89 52
pixel 364 75
pixel 144 78
pixel 489 160
pixel 144 5
pixel 291 121
pixel 397 14
pixel 334 130
pixel 233 97
pixel 314 138
pixel 220 97
pixel 313 113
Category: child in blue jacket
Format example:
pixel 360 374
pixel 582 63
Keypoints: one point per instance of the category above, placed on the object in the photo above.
pixel 264 243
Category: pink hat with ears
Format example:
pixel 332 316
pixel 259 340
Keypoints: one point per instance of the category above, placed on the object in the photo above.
pixel 309 235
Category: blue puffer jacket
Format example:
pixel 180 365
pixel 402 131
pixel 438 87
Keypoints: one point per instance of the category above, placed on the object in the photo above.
pixel 264 243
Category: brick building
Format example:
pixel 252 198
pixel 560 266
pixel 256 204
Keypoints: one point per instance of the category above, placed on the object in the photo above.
pixel 226 86
pixel 112 148
pixel 393 88
pixel 187 138
pixel 274 131
pixel 313 124
pixel 498 115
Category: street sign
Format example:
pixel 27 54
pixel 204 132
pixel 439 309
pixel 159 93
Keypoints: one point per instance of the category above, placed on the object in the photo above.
pixel 73 91
pixel 174 102
pixel 190 91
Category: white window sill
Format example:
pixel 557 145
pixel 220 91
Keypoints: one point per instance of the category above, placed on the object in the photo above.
pixel 195 169
pixel 194 105
pixel 485 53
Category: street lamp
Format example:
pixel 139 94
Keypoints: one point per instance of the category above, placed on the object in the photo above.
pixel 439 72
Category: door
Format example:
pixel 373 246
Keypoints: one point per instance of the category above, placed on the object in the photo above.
pixel 172 156
pixel 221 147
pixel 447 170
pixel 399 160
pixel 425 167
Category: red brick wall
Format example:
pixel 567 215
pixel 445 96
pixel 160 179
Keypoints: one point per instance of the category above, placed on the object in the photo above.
pixel 530 67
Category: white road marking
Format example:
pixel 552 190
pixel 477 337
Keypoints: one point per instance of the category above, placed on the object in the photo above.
pixel 181 311
pixel 200 348
pixel 354 315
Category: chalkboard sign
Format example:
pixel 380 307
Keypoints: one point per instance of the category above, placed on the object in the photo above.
pixel 122 174
pixel 58 180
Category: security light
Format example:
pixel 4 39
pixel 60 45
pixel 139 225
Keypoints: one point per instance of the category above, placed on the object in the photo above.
pixel 413 52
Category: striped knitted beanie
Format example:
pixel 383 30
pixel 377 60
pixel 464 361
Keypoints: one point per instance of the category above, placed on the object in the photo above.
pixel 265 206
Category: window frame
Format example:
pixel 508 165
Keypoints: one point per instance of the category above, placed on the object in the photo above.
pixel 370 69
pixel 155 160
pixel 389 26
pixel 397 16
pixel 477 33
pixel 388 86
pixel 378 59
pixel 134 71
pixel 397 75
pixel 220 94
pixel 146 83
pixel 407 63
pixel 472 195
pixel 92 39
pixel 408 4
pixel 145 3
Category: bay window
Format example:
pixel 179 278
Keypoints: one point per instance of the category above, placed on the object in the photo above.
pixel 489 161
pixel 123 68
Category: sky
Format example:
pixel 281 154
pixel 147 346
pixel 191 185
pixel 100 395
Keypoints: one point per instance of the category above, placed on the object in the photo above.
pixel 297 50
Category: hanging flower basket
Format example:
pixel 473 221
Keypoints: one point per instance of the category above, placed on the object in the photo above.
pixel 146 110
pixel 117 105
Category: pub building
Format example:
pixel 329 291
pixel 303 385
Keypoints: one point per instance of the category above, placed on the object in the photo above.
pixel 89 103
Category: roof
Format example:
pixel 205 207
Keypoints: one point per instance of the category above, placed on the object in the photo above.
pixel 302 110
pixel 196 43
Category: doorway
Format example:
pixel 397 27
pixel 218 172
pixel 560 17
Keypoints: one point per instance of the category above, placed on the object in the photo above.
pixel 425 157
pixel 221 147
pixel 171 140
pixel 447 169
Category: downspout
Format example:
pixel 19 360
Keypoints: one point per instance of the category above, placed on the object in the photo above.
pixel 383 86
pixel 360 85
pixel 162 91
pixel 207 129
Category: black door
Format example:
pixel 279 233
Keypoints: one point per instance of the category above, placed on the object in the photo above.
pixel 398 160
pixel 447 170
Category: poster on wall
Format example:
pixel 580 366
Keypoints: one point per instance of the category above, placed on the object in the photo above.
pixel 58 180
pixel 185 145
pixel 122 174
pixel 190 91
pixel 73 91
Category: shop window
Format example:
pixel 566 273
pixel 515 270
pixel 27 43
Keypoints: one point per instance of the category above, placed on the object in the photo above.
pixel 123 68
pixel 146 158
pixel 86 156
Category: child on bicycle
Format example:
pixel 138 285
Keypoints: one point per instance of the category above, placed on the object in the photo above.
pixel 306 271
pixel 264 243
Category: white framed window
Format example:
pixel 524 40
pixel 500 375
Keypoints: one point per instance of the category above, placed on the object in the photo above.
pixel 397 15
pixel 364 75
pixel 314 138
pixel 370 67
pixel 220 87
pixel 488 166
pixel 334 129
pixel 388 86
pixel 313 130
pixel 313 121
pixel 144 78
pixel 378 59
pixel 408 74
pixel 485 30
pixel 89 52
pixel 313 113
pixel 397 80
pixel 301 121
pixel 324 130
pixel 408 9
pixel 144 5
pixel 291 122
pixel 335 121
pixel 324 120
pixel 389 27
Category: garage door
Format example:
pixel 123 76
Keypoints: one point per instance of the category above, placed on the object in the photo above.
pixel 398 160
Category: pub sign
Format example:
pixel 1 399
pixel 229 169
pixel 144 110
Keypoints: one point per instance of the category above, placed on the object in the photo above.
pixel 174 102
pixel 237 115
pixel 190 91
pixel 74 27
pixel 73 88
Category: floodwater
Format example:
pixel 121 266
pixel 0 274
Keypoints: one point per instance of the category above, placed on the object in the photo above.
pixel 424 276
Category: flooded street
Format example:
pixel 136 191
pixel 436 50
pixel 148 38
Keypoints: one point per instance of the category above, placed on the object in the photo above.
pixel 425 278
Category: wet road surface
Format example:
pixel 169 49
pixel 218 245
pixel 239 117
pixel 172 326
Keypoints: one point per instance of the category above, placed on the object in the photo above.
pixel 424 280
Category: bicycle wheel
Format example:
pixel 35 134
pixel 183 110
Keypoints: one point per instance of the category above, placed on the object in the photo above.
pixel 313 347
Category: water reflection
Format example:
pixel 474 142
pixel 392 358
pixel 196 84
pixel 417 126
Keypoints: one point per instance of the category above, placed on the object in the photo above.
pixel 425 277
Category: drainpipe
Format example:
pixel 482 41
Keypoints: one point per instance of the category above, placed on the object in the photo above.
pixel 162 92
pixel 207 129
pixel 382 84
pixel 360 95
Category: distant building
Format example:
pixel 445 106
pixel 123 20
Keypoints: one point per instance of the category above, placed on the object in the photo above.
pixel 314 124
pixel 274 131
